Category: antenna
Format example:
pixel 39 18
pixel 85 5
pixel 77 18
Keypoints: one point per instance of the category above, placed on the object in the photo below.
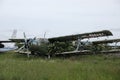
pixel 14 34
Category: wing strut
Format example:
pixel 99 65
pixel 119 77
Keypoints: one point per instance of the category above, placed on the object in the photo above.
pixel 78 44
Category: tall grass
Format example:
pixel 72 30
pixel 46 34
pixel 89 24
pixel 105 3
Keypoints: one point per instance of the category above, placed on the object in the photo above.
pixel 93 67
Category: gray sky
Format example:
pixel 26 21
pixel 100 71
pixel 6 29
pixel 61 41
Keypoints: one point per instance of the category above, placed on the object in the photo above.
pixel 58 17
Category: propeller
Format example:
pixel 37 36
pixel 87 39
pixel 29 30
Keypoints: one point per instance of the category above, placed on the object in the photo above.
pixel 26 42
pixel 25 47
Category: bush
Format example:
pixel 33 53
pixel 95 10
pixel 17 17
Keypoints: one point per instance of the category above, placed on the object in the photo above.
pixel 58 47
pixel 39 49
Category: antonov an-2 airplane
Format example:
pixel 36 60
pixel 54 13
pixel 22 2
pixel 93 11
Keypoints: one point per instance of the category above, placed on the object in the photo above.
pixel 76 37
pixel 38 41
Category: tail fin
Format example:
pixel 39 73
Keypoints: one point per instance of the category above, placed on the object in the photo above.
pixel 44 35
pixel 14 34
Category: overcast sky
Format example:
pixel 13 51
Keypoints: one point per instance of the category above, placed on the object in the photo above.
pixel 58 17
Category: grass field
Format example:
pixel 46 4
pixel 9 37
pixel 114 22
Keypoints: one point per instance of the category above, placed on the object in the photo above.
pixel 88 67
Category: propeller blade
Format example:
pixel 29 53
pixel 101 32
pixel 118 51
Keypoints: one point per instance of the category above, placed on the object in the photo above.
pixel 26 43
pixel 25 37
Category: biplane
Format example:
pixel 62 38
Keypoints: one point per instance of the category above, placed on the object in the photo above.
pixel 62 40
pixel 107 47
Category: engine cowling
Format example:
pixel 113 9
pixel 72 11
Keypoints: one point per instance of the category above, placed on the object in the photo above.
pixel 1 45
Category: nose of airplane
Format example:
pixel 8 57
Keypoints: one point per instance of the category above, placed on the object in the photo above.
pixel 1 45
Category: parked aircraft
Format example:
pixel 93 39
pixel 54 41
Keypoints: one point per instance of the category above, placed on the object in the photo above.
pixel 111 45
pixel 38 42
pixel 27 43
pixel 3 48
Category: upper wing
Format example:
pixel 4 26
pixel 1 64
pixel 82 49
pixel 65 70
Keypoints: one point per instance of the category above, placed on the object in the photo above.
pixel 106 41
pixel 18 40
pixel 12 40
pixel 81 36
pixel 5 41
